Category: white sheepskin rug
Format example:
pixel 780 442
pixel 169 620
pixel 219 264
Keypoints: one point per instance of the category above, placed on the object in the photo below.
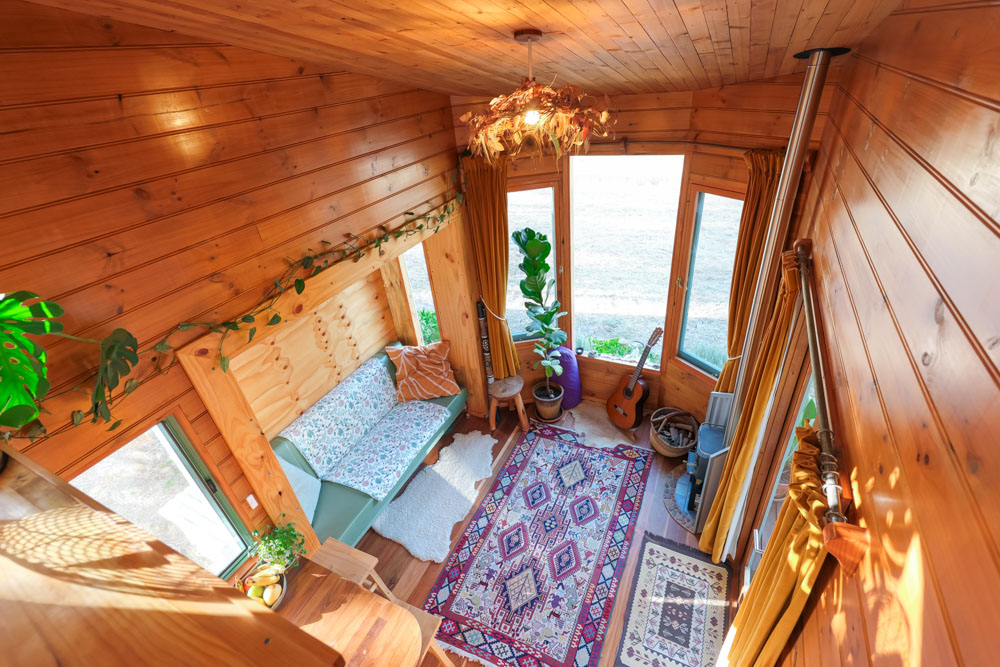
pixel 441 495
pixel 590 420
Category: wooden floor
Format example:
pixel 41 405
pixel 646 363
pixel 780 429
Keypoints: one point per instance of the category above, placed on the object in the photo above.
pixel 411 579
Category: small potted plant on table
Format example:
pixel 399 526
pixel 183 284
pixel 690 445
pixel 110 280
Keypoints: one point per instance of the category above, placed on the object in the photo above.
pixel 543 313
pixel 277 551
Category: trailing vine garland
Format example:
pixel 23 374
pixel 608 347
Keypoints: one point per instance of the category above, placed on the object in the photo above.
pixel 23 371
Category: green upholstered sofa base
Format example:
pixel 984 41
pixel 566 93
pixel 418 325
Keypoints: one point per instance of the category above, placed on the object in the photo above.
pixel 345 513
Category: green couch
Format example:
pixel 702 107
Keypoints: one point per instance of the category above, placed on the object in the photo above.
pixel 345 513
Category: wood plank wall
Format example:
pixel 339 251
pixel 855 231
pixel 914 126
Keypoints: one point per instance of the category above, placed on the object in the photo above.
pixel 905 212
pixel 283 374
pixel 147 178
pixel 746 115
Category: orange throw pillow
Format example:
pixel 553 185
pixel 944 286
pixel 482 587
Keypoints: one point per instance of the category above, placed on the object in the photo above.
pixel 423 372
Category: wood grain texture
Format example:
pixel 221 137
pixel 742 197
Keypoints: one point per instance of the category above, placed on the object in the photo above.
pixel 283 374
pixel 83 586
pixel 451 269
pixel 367 630
pixel 251 449
pixel 149 177
pixel 620 46
pixel 904 212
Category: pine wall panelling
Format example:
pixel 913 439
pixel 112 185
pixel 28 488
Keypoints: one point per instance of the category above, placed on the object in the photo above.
pixel 148 178
pixel 455 290
pixel 904 213
pixel 284 373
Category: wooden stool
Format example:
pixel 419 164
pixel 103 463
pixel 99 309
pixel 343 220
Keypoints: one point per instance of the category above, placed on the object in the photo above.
pixel 501 392
pixel 359 567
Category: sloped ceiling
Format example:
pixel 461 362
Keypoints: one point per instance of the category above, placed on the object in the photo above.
pixel 466 46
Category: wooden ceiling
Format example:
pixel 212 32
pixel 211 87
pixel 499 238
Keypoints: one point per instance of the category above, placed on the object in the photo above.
pixel 465 46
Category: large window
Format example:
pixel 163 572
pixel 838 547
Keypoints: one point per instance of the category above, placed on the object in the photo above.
pixel 415 266
pixel 157 482
pixel 624 211
pixel 534 208
pixel 706 304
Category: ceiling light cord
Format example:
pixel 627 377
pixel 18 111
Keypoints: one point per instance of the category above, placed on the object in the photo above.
pixel 531 62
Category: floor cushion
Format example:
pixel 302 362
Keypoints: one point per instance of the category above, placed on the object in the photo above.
pixel 335 423
pixel 378 460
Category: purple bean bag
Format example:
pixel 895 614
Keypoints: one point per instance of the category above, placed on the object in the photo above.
pixel 570 378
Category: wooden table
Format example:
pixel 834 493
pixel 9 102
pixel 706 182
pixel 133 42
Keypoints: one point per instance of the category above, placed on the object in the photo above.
pixel 364 628
pixel 80 585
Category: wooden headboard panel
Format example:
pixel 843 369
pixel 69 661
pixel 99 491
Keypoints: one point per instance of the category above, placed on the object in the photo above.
pixel 283 374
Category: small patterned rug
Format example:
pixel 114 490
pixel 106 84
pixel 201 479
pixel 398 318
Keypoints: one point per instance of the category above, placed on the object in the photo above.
pixel 679 608
pixel 675 497
pixel 533 578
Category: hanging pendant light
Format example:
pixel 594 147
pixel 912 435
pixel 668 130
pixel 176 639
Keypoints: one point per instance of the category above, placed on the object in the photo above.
pixel 536 118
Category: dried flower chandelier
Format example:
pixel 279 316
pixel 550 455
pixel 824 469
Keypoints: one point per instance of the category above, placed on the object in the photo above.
pixel 536 118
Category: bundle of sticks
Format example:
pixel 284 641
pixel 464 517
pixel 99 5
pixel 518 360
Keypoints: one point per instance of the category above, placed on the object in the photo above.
pixel 678 435
pixel 675 429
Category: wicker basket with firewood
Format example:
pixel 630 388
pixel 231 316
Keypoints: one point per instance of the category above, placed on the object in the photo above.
pixel 672 431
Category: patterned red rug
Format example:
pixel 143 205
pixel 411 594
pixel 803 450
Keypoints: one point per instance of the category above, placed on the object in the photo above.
pixel 533 579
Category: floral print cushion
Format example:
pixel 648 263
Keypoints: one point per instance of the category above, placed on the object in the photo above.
pixel 379 459
pixel 331 427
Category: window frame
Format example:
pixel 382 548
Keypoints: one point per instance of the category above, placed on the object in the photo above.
pixel 559 182
pixel 405 294
pixel 680 275
pixel 698 198
pixel 193 461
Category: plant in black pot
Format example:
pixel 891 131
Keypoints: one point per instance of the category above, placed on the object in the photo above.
pixel 543 313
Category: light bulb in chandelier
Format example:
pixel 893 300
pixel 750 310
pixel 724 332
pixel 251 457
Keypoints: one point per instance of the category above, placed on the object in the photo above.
pixel 532 116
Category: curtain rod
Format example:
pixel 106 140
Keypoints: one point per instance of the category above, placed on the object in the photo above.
pixel 828 460
pixel 846 541
pixel 625 141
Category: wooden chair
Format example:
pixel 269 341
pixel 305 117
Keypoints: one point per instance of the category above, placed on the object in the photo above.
pixel 503 392
pixel 359 567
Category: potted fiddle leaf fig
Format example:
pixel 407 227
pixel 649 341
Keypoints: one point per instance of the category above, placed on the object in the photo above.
pixel 543 312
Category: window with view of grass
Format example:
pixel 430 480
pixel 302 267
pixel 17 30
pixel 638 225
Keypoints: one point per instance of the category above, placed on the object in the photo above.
pixel 420 291
pixel 624 211
pixel 534 208
pixel 157 482
pixel 706 304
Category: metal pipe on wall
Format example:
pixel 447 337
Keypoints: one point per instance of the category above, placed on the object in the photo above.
pixel 781 215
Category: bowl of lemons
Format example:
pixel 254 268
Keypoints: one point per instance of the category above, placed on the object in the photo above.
pixel 266 584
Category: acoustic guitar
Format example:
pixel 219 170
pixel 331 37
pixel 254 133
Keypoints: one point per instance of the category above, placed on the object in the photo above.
pixel 625 404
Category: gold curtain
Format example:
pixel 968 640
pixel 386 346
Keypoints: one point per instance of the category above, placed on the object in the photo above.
pixel 792 560
pixel 764 166
pixel 759 385
pixel 486 199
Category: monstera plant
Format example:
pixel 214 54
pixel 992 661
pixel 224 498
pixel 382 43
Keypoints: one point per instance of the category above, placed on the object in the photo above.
pixel 24 384
pixel 543 313
pixel 23 373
